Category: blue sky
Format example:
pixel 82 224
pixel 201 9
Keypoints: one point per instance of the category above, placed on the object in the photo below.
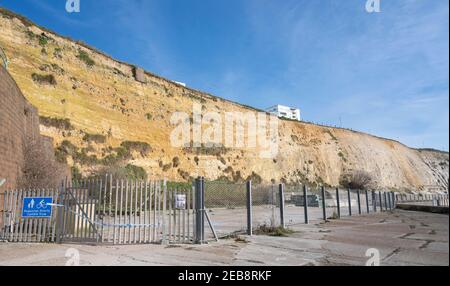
pixel 384 73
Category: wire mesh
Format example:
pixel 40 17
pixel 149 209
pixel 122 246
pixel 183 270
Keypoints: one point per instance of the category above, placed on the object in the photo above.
pixel 226 205
pixel 331 203
pixel 315 208
pixel 293 205
pixel 265 206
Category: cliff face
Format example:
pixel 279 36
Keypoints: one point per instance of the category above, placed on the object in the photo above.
pixel 105 116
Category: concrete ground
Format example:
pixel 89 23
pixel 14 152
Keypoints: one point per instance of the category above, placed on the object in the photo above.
pixel 401 237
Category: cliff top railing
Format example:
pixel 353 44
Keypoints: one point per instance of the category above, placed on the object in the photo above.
pixel 4 58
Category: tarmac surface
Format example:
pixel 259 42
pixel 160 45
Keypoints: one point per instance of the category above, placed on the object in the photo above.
pixel 399 237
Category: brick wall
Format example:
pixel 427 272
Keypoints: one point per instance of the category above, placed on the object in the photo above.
pixel 13 127
pixel 19 124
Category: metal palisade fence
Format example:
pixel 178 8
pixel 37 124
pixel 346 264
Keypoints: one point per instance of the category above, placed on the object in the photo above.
pixel 100 211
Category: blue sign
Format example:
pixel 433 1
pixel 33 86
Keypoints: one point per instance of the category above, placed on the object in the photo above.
pixel 37 207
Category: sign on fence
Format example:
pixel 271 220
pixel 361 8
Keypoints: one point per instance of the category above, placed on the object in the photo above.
pixel 180 202
pixel 37 207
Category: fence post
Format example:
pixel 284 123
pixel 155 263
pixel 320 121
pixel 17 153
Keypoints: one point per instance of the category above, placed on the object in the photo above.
pixel 198 211
pixel 349 202
pixel 281 194
pixel 367 201
pixel 203 208
pixel 390 201
pixel 305 196
pixel 359 201
pixel 324 205
pixel 165 240
pixel 374 201
pixel 381 201
pixel 249 209
pixel 338 203
pixel 61 211
pixel 386 202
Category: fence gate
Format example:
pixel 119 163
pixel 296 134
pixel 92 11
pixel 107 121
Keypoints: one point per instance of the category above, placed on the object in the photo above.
pixel 78 219
pixel 125 212
pixel 103 211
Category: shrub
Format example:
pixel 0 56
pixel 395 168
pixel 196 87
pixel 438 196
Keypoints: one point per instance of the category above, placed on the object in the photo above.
pixel 255 178
pixel 167 167
pixel 76 174
pixel 40 169
pixel 97 138
pixel 273 231
pixel 141 147
pixel 135 172
pixel 185 175
pixel 360 180
pixel 59 123
pixel 44 79
pixel 85 159
pixel 175 162
pixel 57 53
pixel 83 56
pixel 129 171
pixel 217 150
pixel 43 40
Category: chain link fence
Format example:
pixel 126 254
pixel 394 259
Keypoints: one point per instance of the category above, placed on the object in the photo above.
pixel 226 204
pixel 231 211
pixel 265 206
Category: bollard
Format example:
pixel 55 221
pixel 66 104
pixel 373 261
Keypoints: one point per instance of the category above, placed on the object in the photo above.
pixel 305 196
pixel 349 202
pixel 338 203
pixel 249 209
pixel 324 206
pixel 281 194
pixel 359 201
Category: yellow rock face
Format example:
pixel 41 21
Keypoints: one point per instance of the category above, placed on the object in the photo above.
pixel 99 95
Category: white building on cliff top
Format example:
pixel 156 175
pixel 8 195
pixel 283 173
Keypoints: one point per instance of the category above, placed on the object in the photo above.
pixel 285 111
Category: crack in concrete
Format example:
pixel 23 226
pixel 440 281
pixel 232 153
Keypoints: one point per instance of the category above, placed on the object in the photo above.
pixel 394 252
pixel 406 235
